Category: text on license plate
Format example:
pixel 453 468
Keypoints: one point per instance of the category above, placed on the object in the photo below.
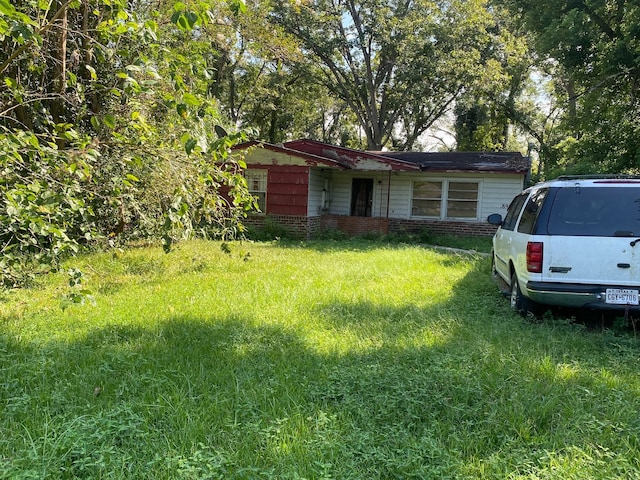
pixel 622 296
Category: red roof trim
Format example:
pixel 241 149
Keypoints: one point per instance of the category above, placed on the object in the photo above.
pixel 348 156
pixel 312 159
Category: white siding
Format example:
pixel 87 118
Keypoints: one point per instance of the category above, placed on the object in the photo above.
pixel 340 195
pixel 400 201
pixel 318 181
pixel 495 192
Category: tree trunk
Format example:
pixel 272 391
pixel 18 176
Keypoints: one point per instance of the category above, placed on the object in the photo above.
pixel 59 60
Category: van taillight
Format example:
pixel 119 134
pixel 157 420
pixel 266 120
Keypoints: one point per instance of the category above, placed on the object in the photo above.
pixel 534 257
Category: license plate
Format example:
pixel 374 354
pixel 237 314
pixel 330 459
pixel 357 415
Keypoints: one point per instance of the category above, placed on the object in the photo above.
pixel 621 296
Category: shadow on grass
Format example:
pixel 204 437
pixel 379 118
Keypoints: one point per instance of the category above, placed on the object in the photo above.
pixel 459 389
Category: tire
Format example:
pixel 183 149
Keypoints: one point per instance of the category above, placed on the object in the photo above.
pixel 519 303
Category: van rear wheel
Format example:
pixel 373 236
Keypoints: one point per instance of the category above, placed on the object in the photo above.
pixel 519 303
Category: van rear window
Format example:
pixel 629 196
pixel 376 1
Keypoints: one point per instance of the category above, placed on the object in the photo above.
pixel 596 212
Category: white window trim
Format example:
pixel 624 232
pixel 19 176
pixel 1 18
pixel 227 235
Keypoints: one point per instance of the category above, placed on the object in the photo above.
pixel 262 172
pixel 445 196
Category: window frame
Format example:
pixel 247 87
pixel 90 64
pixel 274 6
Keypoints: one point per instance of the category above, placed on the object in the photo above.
pixel 513 212
pixel 445 199
pixel 264 173
pixel 413 198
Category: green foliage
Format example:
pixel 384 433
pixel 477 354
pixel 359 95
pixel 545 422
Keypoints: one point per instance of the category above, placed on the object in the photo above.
pixel 45 212
pixel 107 133
pixel 397 66
pixel 591 49
pixel 78 294
pixel 479 129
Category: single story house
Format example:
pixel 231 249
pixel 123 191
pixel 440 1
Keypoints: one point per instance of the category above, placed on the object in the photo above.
pixel 308 186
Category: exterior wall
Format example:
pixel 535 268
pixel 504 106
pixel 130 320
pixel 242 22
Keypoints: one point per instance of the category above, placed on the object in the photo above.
pixel 295 225
pixel 340 195
pixel 441 227
pixel 287 190
pixel 498 193
pixel 299 226
pixel 355 225
pixel 308 227
pixel 495 193
pixel 266 157
pixel 319 191
pixel 295 200
pixel 340 200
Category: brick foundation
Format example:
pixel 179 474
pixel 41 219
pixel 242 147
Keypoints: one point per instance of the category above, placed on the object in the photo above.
pixel 295 225
pixel 354 226
pixel 308 227
pixel 441 227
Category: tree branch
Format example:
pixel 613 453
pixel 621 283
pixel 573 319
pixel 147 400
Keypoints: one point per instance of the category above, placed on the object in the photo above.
pixel 25 46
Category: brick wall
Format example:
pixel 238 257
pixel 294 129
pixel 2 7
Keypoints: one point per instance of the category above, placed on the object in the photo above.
pixel 355 225
pixel 442 227
pixel 306 227
pixel 295 225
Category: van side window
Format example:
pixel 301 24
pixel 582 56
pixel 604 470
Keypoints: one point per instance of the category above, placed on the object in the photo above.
pixel 513 211
pixel 530 212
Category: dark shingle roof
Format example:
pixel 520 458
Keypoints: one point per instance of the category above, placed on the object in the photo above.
pixel 499 162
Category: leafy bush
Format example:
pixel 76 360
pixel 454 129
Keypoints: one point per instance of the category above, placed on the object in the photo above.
pixel 102 144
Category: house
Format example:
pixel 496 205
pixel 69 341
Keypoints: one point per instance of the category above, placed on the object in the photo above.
pixel 308 187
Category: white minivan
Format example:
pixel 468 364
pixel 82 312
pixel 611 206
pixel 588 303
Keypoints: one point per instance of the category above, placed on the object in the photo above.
pixel 573 242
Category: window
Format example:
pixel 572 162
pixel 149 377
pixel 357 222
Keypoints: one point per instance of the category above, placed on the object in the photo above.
pixel 530 212
pixel 427 199
pixel 462 200
pixel 257 184
pixel 509 222
pixel 445 199
pixel 596 212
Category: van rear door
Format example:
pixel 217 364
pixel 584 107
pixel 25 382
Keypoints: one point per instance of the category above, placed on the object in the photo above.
pixel 591 235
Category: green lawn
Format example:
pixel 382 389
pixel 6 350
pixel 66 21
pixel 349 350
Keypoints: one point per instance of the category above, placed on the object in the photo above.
pixel 343 360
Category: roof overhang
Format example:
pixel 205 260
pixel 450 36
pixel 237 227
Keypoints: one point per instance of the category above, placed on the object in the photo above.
pixel 350 158
pixel 309 158
pixel 319 154
pixel 467 162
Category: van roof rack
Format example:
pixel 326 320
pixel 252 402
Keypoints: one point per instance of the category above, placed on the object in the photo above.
pixel 604 176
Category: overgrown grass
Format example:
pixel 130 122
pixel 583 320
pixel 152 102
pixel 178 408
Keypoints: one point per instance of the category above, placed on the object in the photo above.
pixel 342 360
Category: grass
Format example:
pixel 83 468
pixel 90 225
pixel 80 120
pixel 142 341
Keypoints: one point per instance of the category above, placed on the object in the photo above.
pixel 320 360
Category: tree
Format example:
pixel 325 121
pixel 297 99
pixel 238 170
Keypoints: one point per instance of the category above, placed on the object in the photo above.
pixel 593 49
pixel 398 65
pixel 259 85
